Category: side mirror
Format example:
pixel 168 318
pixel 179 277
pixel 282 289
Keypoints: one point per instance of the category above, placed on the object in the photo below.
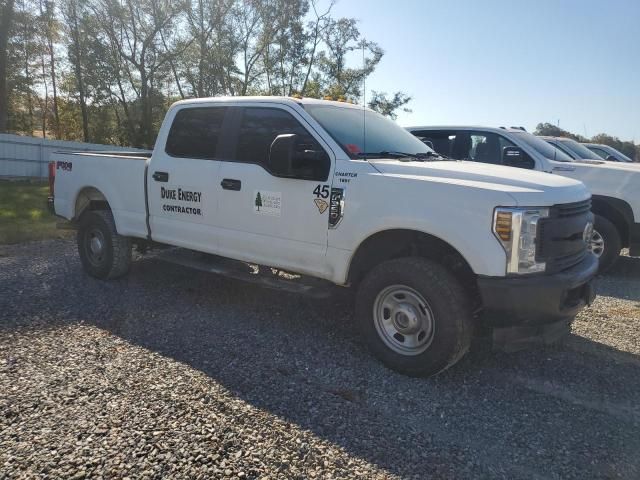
pixel 281 154
pixel 515 157
pixel 611 158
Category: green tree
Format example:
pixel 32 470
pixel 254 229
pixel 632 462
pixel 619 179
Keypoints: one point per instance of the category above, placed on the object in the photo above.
pixel 336 78
pixel 550 130
pixel 107 70
pixel 6 18
pixel 381 103
pixel 258 201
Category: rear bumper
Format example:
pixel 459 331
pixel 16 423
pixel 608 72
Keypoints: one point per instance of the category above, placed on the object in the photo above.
pixel 538 300
pixel 634 240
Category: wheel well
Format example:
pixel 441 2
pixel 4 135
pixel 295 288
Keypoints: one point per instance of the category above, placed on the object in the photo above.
pixel 90 198
pixel 617 212
pixel 391 244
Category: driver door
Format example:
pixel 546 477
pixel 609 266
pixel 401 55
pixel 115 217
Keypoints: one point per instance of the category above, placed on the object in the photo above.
pixel 265 218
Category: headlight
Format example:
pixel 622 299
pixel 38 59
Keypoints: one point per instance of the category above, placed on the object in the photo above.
pixel 516 230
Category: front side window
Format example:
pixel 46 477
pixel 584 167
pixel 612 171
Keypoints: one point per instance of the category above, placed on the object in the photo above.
pixel 195 132
pixel 364 133
pixel 487 147
pixel 483 147
pixel 258 129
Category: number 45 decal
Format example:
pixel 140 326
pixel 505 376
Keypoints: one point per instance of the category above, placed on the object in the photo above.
pixel 321 191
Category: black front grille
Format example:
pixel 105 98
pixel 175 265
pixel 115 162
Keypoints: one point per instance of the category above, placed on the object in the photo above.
pixel 560 241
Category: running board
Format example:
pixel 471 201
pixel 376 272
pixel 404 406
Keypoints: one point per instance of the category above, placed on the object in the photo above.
pixel 257 274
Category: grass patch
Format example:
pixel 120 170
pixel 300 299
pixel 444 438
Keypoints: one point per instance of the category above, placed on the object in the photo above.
pixel 23 213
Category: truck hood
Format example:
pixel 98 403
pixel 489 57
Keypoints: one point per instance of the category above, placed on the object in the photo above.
pixel 608 179
pixel 526 187
pixel 621 166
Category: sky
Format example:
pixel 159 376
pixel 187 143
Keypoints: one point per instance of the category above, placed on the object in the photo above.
pixel 575 63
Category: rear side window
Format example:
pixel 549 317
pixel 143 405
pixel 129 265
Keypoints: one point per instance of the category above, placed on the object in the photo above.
pixel 195 132
pixel 259 128
pixel 440 140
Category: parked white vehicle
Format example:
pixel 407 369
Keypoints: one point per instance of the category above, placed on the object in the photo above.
pixel 571 148
pixel 435 248
pixel 615 186
pixel 608 153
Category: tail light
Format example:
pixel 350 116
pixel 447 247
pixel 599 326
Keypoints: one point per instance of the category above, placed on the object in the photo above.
pixel 52 178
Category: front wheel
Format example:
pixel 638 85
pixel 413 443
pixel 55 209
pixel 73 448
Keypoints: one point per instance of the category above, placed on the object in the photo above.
pixel 414 315
pixel 605 243
pixel 103 252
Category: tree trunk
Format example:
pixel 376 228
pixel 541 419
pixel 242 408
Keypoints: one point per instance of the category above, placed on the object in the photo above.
pixel 27 78
pixel 146 121
pixel 56 117
pixel 44 109
pixel 77 66
pixel 5 23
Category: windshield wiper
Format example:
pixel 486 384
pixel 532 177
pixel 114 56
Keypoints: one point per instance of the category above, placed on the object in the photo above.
pixel 421 156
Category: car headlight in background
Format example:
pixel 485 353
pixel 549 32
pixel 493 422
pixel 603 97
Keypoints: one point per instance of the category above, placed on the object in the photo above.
pixel 516 229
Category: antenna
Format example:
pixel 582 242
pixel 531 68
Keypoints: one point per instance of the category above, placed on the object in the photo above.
pixel 364 104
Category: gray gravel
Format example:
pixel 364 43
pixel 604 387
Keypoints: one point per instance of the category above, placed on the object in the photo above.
pixel 181 374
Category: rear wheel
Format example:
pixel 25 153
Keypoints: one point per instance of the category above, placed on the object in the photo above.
pixel 103 252
pixel 605 243
pixel 414 315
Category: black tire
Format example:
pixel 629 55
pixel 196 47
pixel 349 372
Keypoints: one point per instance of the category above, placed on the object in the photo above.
pixel 446 300
pixel 113 258
pixel 612 242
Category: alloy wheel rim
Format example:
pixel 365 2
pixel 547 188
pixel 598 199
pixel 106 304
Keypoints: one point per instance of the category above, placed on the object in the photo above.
pixel 404 320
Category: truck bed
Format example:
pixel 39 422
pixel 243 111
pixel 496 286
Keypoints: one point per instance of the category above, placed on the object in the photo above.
pixel 117 177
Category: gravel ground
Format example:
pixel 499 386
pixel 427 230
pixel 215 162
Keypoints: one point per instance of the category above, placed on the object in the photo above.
pixel 182 374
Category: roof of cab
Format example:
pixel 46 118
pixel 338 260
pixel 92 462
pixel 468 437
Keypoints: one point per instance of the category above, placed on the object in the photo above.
pixel 268 99
pixel 559 139
pixel 465 127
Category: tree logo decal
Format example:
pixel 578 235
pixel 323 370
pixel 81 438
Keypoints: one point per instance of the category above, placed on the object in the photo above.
pixel 258 201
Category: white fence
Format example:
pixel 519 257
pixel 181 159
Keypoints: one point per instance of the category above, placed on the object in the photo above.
pixel 28 156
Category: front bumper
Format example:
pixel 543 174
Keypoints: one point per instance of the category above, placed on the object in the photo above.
pixel 634 240
pixel 537 300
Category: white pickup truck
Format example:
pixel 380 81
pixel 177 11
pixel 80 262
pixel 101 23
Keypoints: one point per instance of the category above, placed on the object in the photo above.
pixel 435 248
pixel 615 186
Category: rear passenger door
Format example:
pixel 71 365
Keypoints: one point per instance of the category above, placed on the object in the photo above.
pixel 440 140
pixel 182 179
pixel 268 219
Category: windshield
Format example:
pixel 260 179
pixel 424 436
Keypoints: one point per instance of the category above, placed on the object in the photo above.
pixel 616 153
pixel 542 147
pixel 580 150
pixel 345 125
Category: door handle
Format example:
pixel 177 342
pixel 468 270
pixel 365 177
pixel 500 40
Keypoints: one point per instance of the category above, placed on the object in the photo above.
pixel 160 176
pixel 231 184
